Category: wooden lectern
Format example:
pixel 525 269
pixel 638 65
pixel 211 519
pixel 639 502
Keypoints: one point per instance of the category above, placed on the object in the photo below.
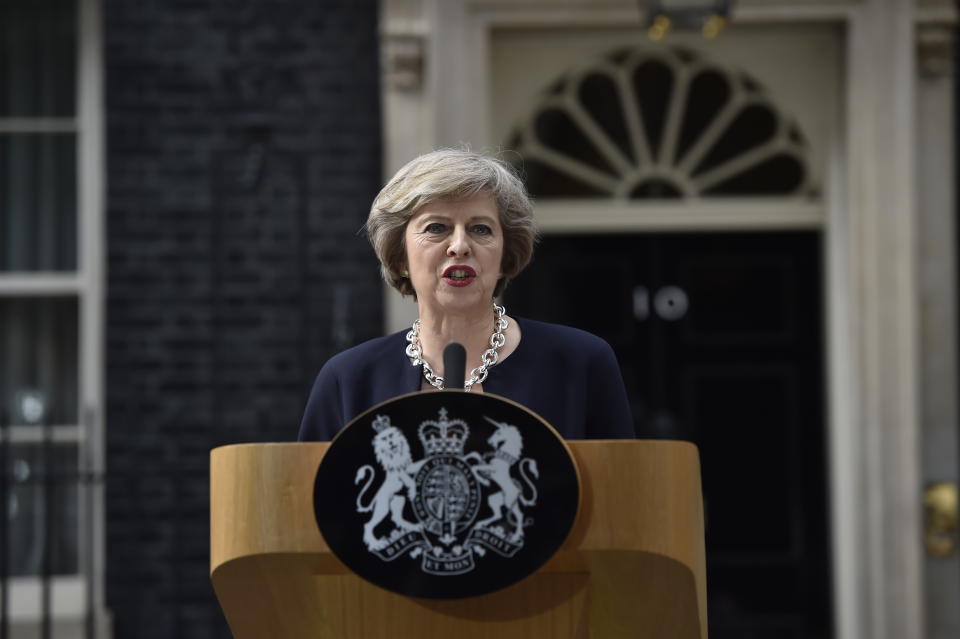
pixel 633 565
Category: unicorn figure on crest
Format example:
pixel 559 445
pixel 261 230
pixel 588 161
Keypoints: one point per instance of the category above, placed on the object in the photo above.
pixel 505 503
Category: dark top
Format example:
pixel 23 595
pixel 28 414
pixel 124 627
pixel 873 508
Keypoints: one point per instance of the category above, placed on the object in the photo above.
pixel 569 377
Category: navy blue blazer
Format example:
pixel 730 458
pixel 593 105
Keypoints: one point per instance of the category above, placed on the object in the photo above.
pixel 569 377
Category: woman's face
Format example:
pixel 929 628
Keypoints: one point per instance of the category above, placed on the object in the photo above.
pixel 454 252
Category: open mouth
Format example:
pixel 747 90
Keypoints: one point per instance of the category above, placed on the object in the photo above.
pixel 459 275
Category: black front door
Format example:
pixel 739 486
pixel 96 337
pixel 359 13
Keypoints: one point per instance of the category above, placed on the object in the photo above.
pixel 719 337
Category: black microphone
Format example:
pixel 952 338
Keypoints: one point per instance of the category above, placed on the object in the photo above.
pixel 454 361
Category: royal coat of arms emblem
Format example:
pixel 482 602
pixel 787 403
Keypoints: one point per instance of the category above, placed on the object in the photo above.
pixel 446 495
pixel 465 503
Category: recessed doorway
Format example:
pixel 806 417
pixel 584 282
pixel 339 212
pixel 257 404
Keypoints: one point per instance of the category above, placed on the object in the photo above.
pixel 720 339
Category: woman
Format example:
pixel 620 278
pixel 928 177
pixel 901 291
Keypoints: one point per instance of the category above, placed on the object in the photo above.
pixel 452 228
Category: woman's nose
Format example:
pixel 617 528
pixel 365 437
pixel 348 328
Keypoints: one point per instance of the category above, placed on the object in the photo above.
pixel 459 243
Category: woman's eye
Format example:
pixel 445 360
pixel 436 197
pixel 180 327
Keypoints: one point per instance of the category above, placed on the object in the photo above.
pixel 482 229
pixel 435 227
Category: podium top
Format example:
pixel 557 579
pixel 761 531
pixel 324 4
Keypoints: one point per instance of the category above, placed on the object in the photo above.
pixel 641 518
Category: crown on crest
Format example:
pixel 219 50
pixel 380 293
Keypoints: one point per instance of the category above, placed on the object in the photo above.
pixel 444 437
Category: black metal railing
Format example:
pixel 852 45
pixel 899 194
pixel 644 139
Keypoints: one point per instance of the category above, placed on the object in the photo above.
pixel 47 526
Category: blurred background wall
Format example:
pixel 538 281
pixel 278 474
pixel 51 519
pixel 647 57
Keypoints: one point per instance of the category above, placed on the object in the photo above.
pixel 243 150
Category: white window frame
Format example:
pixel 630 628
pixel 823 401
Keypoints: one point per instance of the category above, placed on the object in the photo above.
pixel 70 593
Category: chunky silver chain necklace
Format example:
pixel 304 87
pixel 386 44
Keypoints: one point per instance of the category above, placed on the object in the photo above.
pixel 477 375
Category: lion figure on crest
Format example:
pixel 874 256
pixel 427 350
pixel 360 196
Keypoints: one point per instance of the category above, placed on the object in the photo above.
pixel 392 451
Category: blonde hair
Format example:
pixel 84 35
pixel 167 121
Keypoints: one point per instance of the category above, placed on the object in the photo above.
pixel 450 174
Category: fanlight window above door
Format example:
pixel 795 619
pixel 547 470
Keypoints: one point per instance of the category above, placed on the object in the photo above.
pixel 660 123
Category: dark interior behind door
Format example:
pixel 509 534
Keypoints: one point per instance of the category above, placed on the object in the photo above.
pixel 719 337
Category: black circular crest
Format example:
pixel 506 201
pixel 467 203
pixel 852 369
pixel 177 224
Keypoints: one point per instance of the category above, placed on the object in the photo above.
pixel 445 495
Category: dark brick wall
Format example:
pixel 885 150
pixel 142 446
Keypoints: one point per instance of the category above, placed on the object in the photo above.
pixel 243 152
